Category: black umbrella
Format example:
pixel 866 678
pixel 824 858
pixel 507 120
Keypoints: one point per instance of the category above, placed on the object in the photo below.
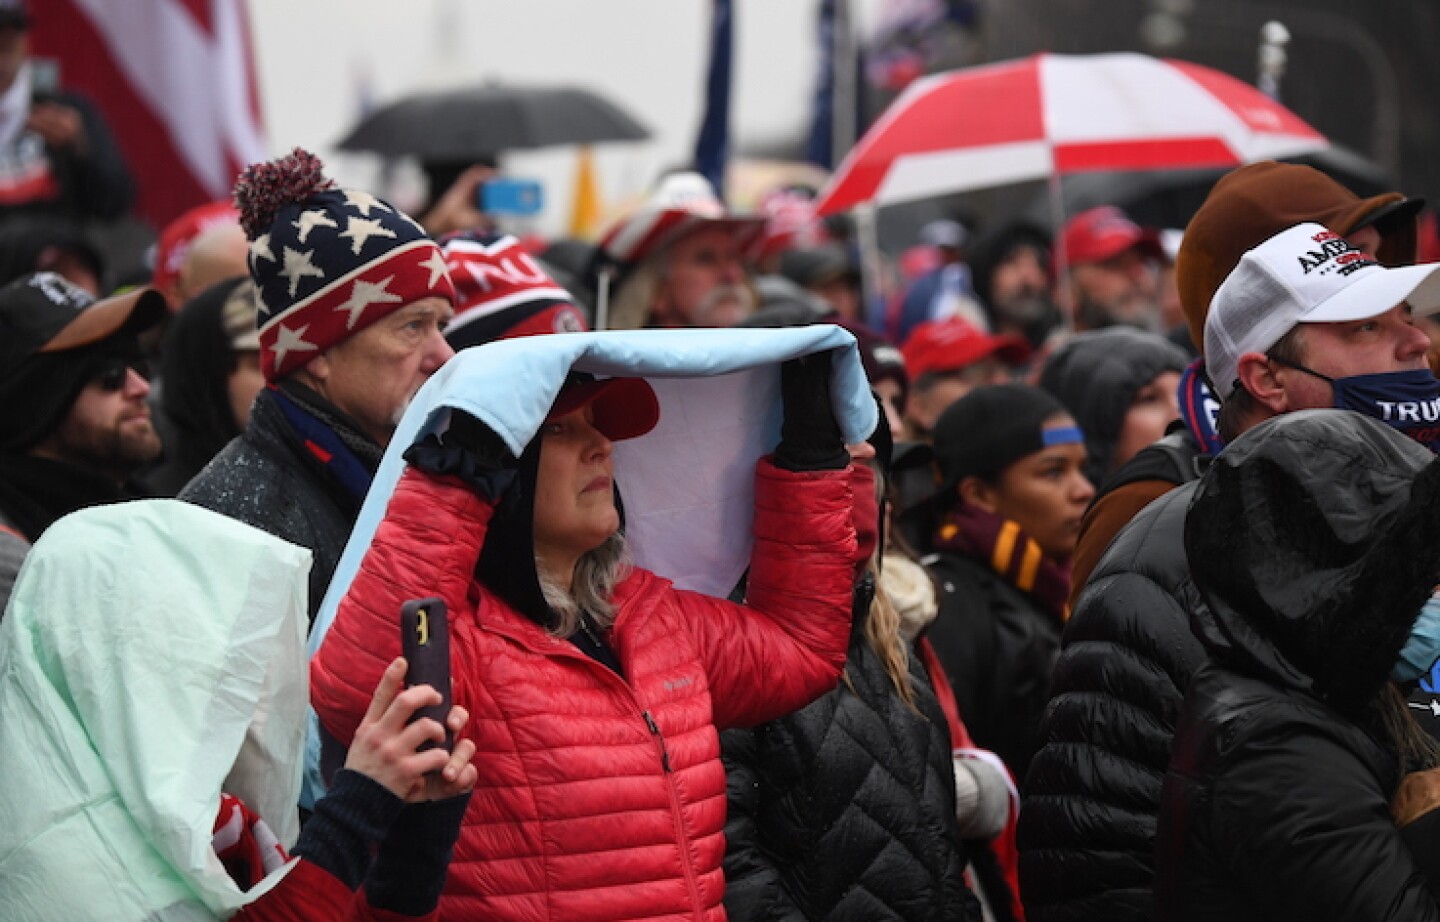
pixel 467 124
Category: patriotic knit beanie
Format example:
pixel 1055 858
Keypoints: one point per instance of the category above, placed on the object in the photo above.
pixel 327 262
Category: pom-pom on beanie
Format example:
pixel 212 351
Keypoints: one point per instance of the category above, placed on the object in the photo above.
pixel 327 262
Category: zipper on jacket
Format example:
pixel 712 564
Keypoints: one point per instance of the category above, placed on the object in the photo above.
pixel 681 838
pixel 659 740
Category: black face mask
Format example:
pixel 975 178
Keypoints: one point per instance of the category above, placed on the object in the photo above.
pixel 1407 401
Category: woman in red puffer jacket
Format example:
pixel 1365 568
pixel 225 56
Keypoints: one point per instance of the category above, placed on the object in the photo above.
pixel 595 689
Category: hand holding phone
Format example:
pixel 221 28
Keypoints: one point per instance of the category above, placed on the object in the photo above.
pixel 425 641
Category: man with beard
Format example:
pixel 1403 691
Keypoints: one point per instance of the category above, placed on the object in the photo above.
pixel 74 422
pixel 1011 274
pixel 353 299
pixel 678 261
pixel 1112 271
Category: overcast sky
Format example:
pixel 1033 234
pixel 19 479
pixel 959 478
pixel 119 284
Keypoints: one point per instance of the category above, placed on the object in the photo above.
pixel 650 56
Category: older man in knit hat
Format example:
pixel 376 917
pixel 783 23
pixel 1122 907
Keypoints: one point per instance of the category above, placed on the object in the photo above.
pixel 74 424
pixel 1087 833
pixel 353 299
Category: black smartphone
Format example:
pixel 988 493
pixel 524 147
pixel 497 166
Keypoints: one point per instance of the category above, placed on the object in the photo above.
pixel 425 641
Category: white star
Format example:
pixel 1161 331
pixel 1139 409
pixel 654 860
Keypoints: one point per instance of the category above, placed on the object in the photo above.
pixel 364 201
pixel 298 266
pixel 1435 707
pixel 260 249
pixel 309 220
pixel 359 230
pixel 288 340
pixel 365 294
pixel 436 265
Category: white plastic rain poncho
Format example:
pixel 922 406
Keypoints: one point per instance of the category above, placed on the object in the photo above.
pixel 152 654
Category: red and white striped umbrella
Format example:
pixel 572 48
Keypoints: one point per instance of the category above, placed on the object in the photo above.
pixel 1051 114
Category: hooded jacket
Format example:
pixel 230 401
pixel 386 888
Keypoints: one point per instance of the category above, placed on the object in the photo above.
pixel 602 794
pixel 1315 540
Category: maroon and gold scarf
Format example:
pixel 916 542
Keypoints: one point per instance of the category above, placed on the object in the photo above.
pixel 1000 542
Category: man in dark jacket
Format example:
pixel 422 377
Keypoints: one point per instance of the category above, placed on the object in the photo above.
pixel 352 301
pixel 74 424
pixel 1314 542
pixel 1087 833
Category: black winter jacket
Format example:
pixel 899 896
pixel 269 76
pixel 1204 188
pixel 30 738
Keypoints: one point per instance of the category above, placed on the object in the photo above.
pixel 1087 829
pixel 998 646
pixel 845 810
pixel 1314 539
pixel 266 478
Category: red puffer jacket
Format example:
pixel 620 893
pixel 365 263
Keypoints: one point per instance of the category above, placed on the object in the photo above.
pixel 600 797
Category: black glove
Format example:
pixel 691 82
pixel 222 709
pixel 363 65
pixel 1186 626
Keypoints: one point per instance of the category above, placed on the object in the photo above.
pixel 469 450
pixel 810 437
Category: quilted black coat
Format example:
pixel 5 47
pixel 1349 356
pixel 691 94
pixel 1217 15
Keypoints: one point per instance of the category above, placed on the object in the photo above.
pixel 845 810
pixel 1087 827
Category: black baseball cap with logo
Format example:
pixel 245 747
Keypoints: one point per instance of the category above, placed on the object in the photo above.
pixel 43 313
pixel 54 338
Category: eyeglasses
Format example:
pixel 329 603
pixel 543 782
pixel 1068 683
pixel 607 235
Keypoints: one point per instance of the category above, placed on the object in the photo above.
pixel 114 372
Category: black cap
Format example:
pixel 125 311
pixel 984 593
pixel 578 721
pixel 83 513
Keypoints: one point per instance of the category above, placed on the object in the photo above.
pixel 992 427
pixel 44 313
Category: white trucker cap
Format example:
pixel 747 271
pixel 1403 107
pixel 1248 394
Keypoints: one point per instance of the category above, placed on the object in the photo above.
pixel 1305 274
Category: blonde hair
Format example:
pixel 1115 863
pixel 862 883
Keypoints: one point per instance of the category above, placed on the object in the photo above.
pixel 597 573
pixel 882 628
pixel 632 299
pixel 882 634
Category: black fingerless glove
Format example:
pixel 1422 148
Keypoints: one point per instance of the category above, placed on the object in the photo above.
pixel 469 450
pixel 810 437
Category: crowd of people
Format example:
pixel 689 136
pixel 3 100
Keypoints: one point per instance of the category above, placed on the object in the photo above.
pixel 1080 579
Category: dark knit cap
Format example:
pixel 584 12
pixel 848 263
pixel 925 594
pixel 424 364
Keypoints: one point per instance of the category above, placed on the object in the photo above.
pixel 991 428
pixel 1095 375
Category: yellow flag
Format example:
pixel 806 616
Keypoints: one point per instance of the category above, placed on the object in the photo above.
pixel 586 209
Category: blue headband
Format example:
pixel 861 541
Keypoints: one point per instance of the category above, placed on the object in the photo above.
pixel 1061 435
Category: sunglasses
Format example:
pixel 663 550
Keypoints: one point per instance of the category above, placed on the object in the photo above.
pixel 114 372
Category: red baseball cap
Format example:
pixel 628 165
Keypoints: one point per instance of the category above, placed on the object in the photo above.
pixel 625 408
pixel 175 239
pixel 1103 233
pixel 942 346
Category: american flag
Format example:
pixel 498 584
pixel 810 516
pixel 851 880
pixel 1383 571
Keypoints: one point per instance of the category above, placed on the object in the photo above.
pixel 176 83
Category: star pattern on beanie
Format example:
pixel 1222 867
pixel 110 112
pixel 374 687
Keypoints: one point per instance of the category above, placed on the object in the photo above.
pixel 309 220
pixel 260 249
pixel 327 262
pixel 364 294
pixel 437 267
pixel 288 340
pixel 360 230
pixel 298 266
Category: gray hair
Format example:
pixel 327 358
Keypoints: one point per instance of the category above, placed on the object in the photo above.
pixel 597 573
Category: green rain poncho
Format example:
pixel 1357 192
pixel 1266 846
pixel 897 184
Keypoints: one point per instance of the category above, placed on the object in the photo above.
pixel 152 654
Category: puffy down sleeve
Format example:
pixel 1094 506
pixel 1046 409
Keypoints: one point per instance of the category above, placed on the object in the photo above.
pixel 427 545
pixel 786 645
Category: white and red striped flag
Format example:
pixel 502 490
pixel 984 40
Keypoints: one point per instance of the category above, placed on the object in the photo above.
pixel 176 83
